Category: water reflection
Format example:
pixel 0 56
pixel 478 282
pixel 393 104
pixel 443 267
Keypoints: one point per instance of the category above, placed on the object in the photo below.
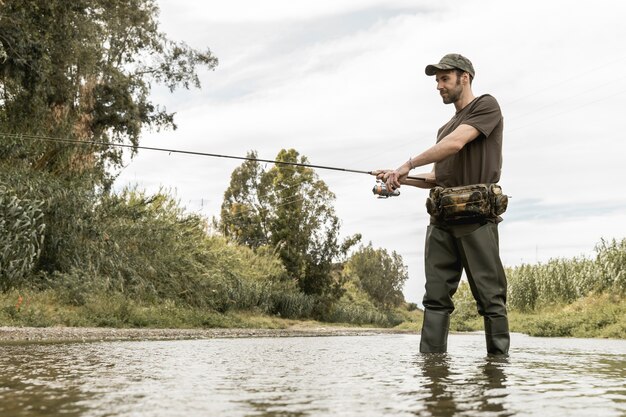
pixel 453 392
pixel 435 368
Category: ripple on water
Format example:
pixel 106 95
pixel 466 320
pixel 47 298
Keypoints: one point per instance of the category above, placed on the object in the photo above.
pixel 339 376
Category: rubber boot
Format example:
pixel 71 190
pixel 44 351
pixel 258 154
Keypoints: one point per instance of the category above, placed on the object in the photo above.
pixel 497 335
pixel 435 332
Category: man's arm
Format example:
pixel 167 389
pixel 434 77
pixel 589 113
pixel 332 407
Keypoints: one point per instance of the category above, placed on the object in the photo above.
pixel 428 181
pixel 449 145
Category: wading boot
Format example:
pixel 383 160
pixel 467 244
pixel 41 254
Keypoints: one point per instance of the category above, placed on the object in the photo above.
pixel 435 332
pixel 497 335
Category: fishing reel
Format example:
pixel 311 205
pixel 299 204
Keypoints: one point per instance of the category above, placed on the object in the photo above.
pixel 381 190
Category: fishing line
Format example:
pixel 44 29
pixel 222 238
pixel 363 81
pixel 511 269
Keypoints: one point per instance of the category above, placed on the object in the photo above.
pixel 186 152
pixel 182 151
pixel 285 201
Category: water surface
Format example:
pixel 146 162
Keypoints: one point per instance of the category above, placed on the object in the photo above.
pixel 314 376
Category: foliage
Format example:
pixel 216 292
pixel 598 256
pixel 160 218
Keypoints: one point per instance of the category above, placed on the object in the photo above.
pixel 380 274
pixel 577 297
pixel 21 236
pixel 356 306
pixel 151 249
pixel 147 249
pixel 143 246
pixel 592 316
pixel 287 208
pixel 84 70
pixel 67 205
pixel 567 280
pixel 465 310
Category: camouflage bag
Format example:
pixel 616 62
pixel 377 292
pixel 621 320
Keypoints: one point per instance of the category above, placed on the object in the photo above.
pixel 467 203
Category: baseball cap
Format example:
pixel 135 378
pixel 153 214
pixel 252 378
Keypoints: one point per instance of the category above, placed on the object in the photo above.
pixel 451 61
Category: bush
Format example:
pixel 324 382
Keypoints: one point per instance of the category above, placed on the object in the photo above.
pixel 592 316
pixel 21 236
pixel 465 311
pixel 133 249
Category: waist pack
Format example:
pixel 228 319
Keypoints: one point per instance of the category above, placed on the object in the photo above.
pixel 467 203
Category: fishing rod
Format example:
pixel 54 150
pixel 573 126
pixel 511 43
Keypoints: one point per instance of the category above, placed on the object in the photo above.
pixel 379 189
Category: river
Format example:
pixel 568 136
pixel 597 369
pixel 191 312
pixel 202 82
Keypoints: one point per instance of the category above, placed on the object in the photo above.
pixel 378 375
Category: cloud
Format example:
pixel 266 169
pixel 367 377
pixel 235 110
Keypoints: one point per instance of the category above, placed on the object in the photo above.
pixel 273 11
pixel 343 83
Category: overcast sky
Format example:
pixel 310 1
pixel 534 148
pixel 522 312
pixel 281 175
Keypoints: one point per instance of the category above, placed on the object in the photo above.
pixel 343 83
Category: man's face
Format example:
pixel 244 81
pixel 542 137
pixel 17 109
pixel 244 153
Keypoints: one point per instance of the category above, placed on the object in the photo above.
pixel 449 86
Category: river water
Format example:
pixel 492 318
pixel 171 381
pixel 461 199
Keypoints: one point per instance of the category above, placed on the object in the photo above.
pixel 380 375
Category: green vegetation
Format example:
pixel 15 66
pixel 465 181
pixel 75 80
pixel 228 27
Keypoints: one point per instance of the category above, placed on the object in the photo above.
pixel 72 252
pixel 77 253
pixel 379 274
pixel 84 70
pixel 121 259
pixel 287 209
pixel 577 297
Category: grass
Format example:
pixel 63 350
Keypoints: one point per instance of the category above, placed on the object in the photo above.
pixel 48 309
pixel 45 309
pixel 601 315
pixel 597 315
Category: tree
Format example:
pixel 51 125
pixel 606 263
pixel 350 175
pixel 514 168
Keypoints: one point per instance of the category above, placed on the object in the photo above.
pixel 83 69
pixel 289 209
pixel 79 70
pixel 381 275
pixel 245 210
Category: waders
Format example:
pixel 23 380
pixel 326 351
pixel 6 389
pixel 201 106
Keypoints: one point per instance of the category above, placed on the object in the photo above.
pixel 449 250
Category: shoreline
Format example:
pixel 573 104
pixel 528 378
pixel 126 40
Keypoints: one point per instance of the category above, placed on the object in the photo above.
pixel 10 335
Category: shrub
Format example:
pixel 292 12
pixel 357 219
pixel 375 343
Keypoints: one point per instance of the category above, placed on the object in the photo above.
pixel 21 236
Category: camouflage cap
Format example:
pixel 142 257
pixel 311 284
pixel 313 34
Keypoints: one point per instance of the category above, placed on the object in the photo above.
pixel 451 61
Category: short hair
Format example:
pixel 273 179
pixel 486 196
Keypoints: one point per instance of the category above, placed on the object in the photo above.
pixel 460 72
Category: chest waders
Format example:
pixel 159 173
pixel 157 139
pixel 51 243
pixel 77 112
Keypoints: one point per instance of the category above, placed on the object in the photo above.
pixel 449 250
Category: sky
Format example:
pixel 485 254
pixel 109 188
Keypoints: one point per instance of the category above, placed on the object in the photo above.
pixel 343 83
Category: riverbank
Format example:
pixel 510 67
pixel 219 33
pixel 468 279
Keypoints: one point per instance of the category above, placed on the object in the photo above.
pixel 40 317
pixel 96 334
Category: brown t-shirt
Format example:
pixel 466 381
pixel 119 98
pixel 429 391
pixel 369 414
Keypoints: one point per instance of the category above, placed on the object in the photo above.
pixel 480 161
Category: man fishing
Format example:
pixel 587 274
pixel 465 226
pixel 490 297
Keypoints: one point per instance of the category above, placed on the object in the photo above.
pixel 463 229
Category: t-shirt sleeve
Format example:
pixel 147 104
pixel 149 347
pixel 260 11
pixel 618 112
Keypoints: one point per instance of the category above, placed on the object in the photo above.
pixel 485 116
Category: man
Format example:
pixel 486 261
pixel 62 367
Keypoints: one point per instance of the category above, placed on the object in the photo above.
pixel 468 151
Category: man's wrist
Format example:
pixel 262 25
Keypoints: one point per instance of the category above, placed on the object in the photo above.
pixel 404 169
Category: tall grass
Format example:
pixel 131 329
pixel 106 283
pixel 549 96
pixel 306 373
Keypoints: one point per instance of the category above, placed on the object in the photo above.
pixel 21 236
pixel 567 280
pixel 559 281
pixel 138 249
pixel 581 297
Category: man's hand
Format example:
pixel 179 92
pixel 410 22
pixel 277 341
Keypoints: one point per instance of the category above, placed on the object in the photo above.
pixel 392 178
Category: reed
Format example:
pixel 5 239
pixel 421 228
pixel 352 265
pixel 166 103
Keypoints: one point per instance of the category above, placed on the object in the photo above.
pixel 580 297
pixel 561 281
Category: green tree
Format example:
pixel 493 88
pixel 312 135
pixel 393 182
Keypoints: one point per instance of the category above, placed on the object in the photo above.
pixel 380 274
pixel 289 209
pixel 245 209
pixel 83 69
